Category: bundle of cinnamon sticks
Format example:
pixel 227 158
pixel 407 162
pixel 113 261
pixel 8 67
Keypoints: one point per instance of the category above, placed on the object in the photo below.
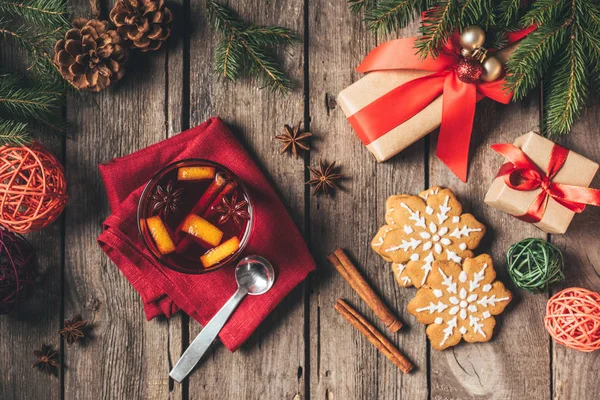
pixel 350 273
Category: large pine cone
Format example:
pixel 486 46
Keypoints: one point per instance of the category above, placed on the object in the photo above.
pixel 144 24
pixel 91 56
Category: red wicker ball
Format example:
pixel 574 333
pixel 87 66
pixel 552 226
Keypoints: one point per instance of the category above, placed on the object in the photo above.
pixel 17 270
pixel 33 189
pixel 573 319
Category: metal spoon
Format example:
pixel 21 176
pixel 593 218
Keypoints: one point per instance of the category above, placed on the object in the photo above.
pixel 254 275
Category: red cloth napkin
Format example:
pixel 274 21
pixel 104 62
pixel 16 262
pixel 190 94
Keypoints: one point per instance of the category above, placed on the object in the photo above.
pixel 164 291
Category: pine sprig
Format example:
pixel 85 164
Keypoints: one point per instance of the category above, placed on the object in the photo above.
pixel 532 59
pixel 567 90
pixel 51 14
pixel 436 28
pixel 357 6
pixel 246 49
pixel 565 52
pixel 388 15
pixel 37 44
pixel 26 102
pixel 13 132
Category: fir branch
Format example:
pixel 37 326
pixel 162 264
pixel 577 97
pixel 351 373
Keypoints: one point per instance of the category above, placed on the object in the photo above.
pixel 565 49
pixel 477 12
pixel 567 90
pixel 38 102
pixel 50 14
pixel 13 133
pixel 245 49
pixel 357 6
pixel 436 28
pixel 509 11
pixel 532 58
pixel 389 15
pixel 269 35
pixel 36 44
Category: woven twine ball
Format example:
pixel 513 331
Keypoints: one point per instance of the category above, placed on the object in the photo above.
pixel 573 319
pixel 535 265
pixel 33 190
pixel 17 270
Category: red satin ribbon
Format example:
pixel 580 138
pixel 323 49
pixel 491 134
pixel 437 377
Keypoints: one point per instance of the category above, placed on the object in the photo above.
pixel 520 173
pixel 405 101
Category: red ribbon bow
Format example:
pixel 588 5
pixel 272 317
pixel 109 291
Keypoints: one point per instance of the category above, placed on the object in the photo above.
pixel 405 101
pixel 520 173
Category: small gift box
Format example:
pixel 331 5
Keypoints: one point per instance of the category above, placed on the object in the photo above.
pixel 542 183
pixel 404 97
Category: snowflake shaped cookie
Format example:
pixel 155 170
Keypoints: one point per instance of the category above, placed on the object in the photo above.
pixel 422 229
pixel 459 302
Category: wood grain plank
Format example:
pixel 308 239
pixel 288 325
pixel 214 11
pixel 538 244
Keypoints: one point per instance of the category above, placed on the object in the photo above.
pixel 515 363
pixel 344 365
pixel 177 120
pixel 270 365
pixel 574 373
pixel 37 321
pixel 127 356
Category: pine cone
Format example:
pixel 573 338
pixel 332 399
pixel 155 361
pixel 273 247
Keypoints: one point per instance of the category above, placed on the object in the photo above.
pixel 144 24
pixel 91 56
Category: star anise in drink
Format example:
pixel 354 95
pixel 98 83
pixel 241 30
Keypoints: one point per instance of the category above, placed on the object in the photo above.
pixel 166 199
pixel 47 360
pixel 232 209
pixel 74 329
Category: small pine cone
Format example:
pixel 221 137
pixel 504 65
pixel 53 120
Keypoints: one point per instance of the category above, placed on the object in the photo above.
pixel 91 56
pixel 144 24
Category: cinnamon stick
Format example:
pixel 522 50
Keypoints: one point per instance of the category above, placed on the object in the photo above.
pixel 374 336
pixel 344 266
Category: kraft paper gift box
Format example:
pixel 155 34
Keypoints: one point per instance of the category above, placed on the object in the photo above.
pixel 374 85
pixel 577 171
pixel 377 83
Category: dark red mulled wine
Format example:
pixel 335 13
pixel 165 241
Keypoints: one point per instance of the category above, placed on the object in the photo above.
pixel 195 216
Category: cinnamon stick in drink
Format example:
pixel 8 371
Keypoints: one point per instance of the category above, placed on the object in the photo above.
pixel 374 336
pixel 350 273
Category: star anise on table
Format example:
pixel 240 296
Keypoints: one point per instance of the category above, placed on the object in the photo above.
pixel 74 329
pixel 47 360
pixel 324 178
pixel 166 199
pixel 292 139
pixel 232 209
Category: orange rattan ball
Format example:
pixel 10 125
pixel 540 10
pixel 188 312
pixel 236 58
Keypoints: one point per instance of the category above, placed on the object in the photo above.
pixel 33 189
pixel 573 319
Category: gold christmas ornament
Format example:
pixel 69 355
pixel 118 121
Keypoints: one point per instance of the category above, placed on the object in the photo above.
pixel 492 69
pixel 466 53
pixel 472 37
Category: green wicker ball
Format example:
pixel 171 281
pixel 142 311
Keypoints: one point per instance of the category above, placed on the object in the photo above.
pixel 535 265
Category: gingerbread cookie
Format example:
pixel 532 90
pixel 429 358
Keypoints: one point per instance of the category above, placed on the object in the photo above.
pixel 459 302
pixel 422 229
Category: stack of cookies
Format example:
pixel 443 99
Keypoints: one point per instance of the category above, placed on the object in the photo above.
pixel 430 243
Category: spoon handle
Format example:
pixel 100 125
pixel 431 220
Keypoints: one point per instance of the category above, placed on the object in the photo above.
pixel 198 347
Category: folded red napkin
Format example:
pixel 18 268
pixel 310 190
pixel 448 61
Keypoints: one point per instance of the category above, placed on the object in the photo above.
pixel 164 291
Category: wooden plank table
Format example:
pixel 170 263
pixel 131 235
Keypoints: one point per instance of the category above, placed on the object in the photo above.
pixel 304 349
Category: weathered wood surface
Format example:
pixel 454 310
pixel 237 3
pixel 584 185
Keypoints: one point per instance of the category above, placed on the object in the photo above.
pixel 304 349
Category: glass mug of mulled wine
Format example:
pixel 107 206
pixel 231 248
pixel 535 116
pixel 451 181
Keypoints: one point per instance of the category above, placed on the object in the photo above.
pixel 195 216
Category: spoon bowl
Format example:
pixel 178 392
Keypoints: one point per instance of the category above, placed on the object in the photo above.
pixel 255 274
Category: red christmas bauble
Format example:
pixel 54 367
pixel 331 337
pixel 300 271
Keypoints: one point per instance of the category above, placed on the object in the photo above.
pixel 469 70
pixel 33 189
